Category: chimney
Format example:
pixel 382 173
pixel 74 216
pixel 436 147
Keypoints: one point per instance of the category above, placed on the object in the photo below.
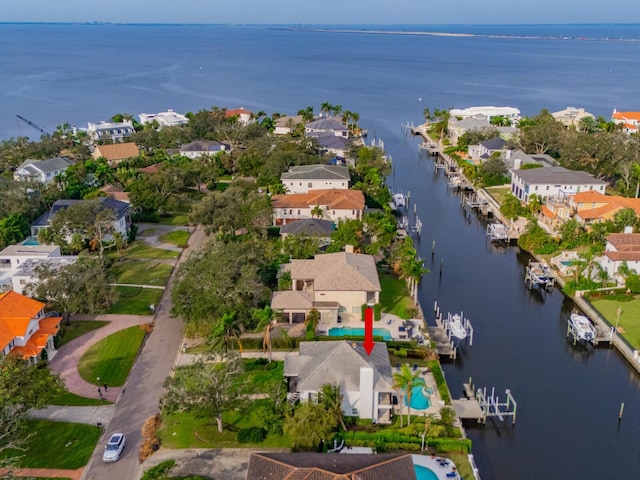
pixel 628 229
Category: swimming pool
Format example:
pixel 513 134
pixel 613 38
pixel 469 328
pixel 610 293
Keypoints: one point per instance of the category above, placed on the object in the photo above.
pixel 358 332
pixel 424 473
pixel 419 397
pixel 31 241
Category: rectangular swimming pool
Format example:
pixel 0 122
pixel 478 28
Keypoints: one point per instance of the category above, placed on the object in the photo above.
pixel 358 332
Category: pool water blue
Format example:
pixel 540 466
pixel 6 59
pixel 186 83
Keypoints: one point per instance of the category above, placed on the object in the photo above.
pixel 358 332
pixel 567 263
pixel 424 473
pixel 419 401
pixel 31 241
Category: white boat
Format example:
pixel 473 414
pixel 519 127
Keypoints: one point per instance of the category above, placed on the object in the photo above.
pixel 581 328
pixel 456 326
pixel 398 199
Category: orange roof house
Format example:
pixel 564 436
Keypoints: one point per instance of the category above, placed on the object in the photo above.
pixel 594 207
pixel 335 204
pixel 116 153
pixel 24 330
pixel 629 120
pixel 244 116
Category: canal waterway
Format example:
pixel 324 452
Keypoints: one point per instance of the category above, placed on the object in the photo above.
pixel 568 397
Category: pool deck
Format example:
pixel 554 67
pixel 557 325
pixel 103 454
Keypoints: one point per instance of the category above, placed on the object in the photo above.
pixel 431 462
pixel 398 328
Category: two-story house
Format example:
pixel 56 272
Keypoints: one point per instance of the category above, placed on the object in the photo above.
pixel 116 152
pixel 164 119
pixel 327 125
pixel 333 204
pixel 43 171
pixel 552 182
pixel 630 121
pixel 572 116
pixel 114 131
pixel 621 248
pixel 365 381
pixel 201 148
pixel 25 330
pixel 303 178
pixel 334 284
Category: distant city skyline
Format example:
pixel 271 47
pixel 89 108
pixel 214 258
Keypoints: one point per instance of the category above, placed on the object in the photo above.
pixel 326 12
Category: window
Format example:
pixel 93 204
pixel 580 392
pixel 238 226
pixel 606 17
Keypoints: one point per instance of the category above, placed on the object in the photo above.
pixel 23 281
pixel 310 185
pixel 298 211
pixel 290 212
pixel 356 309
pixel 354 411
pixel 547 188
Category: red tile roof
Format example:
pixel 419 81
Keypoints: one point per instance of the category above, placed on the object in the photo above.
pixel 333 199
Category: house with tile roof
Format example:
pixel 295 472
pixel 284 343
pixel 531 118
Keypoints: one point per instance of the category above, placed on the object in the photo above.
pixel 284 125
pixel 334 204
pixel 365 381
pixel 334 284
pixel 552 182
pixel 621 248
pixel 630 121
pixel 116 192
pixel 116 152
pixel 24 328
pixel 43 171
pixel 243 116
pixel 322 466
pixel 303 178
pixel 201 148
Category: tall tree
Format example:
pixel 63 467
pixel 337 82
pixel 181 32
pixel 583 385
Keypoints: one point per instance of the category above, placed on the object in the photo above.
pixel 225 331
pixel 331 397
pixel 405 380
pixel 205 388
pixel 309 425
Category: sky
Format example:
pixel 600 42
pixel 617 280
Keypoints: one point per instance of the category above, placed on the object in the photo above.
pixel 314 12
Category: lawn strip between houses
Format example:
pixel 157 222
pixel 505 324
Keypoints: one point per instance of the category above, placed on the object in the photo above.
pixel 136 300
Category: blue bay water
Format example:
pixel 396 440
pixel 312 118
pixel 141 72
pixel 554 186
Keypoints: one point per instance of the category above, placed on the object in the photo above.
pixel 568 399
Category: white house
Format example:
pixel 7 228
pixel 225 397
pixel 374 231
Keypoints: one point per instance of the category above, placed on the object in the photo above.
pixel 283 125
pixel 164 119
pixel 332 283
pixel 244 116
pixel 25 330
pixel 621 248
pixel 365 381
pixel 630 121
pixel 552 182
pixel 333 204
pixel 114 131
pixel 513 114
pixel 201 148
pixel 13 257
pixel 303 178
pixel 484 150
pixel 43 171
pixel 121 211
pixel 327 125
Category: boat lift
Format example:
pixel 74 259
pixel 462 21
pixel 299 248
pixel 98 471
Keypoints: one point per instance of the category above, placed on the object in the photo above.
pixel 497 232
pixel 539 274
pixel 492 406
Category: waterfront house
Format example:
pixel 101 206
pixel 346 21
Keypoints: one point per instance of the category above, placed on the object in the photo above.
pixel 316 228
pixel 332 144
pixel 42 171
pixel 25 330
pixel 365 380
pixel 571 116
pixel 114 131
pixel 630 121
pixel 320 466
pixel 163 119
pixel 303 178
pixel 200 148
pixel 285 125
pixel 489 112
pixel 486 149
pixel 621 248
pixel 552 182
pixel 334 284
pixel 116 152
pixel 121 212
pixel 333 204
pixel 243 116
pixel 18 262
pixel 327 125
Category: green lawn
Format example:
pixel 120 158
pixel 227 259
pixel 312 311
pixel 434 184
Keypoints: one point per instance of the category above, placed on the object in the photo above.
pixel 57 445
pixel 111 358
pixel 141 272
pixel 629 325
pixel 177 219
pixel 69 399
pixel 499 193
pixel 141 250
pixel 78 328
pixel 394 296
pixel 177 237
pixel 186 430
pixel 136 300
pixel 257 375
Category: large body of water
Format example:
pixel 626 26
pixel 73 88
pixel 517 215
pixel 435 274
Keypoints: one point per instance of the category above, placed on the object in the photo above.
pixel 568 399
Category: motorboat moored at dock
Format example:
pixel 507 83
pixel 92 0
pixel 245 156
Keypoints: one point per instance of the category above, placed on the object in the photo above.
pixel 581 329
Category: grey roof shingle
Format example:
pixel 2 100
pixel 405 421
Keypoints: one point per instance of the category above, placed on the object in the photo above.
pixel 493 144
pixel 311 227
pixel 316 172
pixel 321 363
pixel 558 175
pixel 326 124
pixel 48 165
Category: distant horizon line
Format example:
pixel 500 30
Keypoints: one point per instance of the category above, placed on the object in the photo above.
pixel 300 24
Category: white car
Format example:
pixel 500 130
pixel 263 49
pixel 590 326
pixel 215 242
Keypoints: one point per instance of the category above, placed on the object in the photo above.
pixel 114 448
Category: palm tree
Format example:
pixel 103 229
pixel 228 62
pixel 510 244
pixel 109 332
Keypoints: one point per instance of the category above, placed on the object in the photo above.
pixel 336 110
pixel 317 211
pixel 326 107
pixel 331 397
pixel 266 318
pixel 224 332
pixel 405 380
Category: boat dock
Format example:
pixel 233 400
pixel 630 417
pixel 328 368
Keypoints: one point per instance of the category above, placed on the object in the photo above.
pixel 441 334
pixel 478 404
pixel 539 274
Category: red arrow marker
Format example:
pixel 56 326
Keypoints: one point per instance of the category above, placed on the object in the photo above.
pixel 368 330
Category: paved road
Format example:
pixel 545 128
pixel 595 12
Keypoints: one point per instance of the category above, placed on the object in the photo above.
pixel 141 397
